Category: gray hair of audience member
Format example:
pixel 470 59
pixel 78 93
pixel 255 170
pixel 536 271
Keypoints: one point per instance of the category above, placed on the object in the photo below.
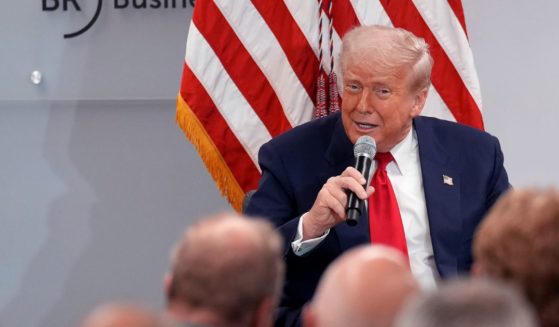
pixel 467 303
pixel 228 265
pixel 365 287
pixel 388 51
pixel 518 241
pixel 123 314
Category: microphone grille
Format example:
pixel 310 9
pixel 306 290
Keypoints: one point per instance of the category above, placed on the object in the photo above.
pixel 365 146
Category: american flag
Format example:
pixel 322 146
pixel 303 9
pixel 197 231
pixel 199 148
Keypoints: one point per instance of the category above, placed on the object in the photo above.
pixel 251 69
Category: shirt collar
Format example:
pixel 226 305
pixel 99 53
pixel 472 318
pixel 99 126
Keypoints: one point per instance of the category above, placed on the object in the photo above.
pixel 404 151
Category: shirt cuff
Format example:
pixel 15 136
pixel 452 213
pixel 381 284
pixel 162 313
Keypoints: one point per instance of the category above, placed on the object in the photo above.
pixel 301 247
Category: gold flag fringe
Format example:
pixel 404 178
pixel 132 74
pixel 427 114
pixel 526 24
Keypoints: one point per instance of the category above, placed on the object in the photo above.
pixel 216 165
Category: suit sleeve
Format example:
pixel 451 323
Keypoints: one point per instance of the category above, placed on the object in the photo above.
pixel 275 199
pixel 499 182
pixel 280 201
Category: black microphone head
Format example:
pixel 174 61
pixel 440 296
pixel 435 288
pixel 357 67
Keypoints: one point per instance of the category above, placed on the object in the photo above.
pixel 365 146
pixel 364 150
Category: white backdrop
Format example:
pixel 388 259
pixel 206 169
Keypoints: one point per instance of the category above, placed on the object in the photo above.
pixel 93 193
pixel 516 47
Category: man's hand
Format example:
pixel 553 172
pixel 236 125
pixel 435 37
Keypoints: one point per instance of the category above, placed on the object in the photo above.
pixel 329 207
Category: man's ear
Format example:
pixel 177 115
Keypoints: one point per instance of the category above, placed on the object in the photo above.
pixel 419 102
pixel 167 284
pixel 309 317
pixel 477 270
pixel 265 313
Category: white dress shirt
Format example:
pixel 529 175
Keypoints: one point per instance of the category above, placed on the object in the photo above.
pixel 405 175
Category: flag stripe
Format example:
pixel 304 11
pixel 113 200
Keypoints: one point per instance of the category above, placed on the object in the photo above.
pixel 445 77
pixel 240 117
pixel 251 30
pixel 227 145
pixel 344 19
pixel 247 77
pixel 292 40
pixel 344 16
pixel 458 10
pixel 302 14
pixel 435 106
pixel 305 15
pixel 325 45
pixel 370 12
pixel 444 25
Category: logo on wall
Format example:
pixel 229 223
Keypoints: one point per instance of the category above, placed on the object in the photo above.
pixel 65 5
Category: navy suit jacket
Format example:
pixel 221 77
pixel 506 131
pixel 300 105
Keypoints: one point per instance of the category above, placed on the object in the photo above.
pixel 296 164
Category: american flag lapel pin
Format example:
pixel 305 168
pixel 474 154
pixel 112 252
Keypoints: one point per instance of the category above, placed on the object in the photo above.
pixel 448 180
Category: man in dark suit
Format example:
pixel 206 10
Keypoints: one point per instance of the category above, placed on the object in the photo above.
pixel 443 177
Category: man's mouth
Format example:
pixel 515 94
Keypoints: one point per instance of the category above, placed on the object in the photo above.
pixel 365 126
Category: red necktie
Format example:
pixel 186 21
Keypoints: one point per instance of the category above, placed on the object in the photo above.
pixel 385 222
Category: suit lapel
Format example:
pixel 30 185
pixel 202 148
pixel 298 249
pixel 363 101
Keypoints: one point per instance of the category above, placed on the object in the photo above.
pixel 339 155
pixel 441 186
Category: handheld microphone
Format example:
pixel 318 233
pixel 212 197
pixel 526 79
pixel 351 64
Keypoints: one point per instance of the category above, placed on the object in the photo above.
pixel 364 150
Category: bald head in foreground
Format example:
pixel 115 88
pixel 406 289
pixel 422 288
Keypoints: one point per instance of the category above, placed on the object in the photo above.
pixel 367 286
pixel 226 271
pixel 122 314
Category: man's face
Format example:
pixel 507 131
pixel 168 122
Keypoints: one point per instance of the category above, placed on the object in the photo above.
pixel 380 105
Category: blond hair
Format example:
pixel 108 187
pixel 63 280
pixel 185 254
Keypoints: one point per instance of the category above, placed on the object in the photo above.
pixel 388 50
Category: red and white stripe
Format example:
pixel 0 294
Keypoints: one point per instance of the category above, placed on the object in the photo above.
pixel 251 66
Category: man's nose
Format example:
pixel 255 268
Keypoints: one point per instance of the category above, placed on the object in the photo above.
pixel 364 104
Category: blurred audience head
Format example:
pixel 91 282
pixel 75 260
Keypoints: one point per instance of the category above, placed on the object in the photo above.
pixel 227 270
pixel 366 286
pixel 468 303
pixel 122 314
pixel 518 241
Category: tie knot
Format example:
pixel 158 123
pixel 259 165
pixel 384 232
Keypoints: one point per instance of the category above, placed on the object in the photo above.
pixel 383 159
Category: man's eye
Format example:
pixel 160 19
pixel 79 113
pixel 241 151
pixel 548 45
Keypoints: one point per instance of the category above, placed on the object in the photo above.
pixel 353 87
pixel 383 92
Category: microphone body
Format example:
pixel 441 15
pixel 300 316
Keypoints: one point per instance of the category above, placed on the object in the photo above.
pixel 364 151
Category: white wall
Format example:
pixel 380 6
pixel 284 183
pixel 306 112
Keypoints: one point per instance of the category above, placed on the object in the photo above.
pixel 93 193
pixel 516 47
pixel 92 197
